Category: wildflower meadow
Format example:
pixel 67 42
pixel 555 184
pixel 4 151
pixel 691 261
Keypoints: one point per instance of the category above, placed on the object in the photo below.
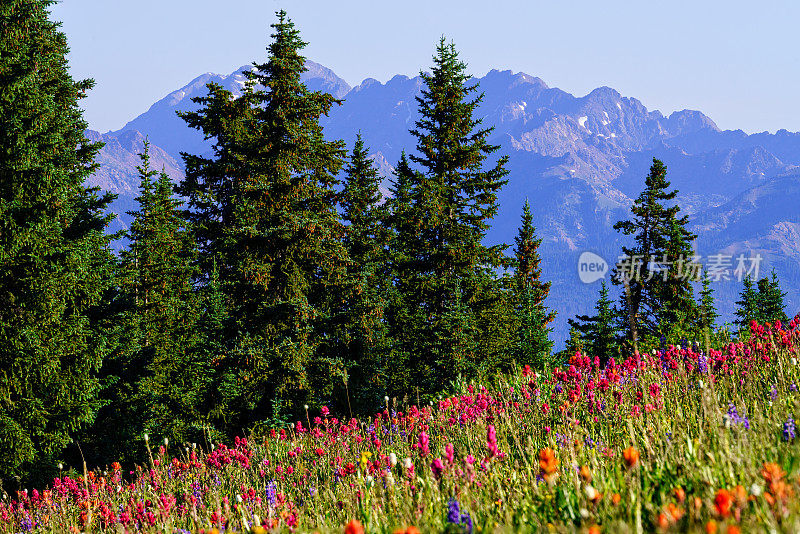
pixel 670 440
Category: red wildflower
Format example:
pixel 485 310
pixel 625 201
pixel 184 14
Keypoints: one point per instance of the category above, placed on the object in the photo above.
pixel 354 527
pixel 723 502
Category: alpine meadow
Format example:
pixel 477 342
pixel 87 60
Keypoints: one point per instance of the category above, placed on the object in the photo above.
pixel 450 304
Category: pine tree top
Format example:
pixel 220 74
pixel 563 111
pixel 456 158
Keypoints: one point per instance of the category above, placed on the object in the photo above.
pixel 651 209
pixel 527 260
pixel 362 187
pixel 452 146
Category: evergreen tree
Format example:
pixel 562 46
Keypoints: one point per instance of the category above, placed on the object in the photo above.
pixel 212 347
pixel 574 344
pixel 533 343
pixel 365 240
pixel 451 200
pixel 677 310
pixel 747 305
pixel 265 209
pixel 157 274
pixel 528 271
pixel 399 225
pixel 599 332
pixel 708 315
pixel 653 296
pixel 55 263
pixel 153 379
pixel 157 265
pixel 209 182
pixel 770 299
pixel 761 302
pixel 401 314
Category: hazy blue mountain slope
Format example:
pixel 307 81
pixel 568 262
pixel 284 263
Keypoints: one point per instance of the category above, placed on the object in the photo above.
pixel 580 161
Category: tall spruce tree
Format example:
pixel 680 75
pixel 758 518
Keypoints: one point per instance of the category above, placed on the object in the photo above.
pixel 157 265
pixel 529 292
pixel 265 210
pixel 770 300
pixel 446 267
pixel 365 238
pixel 707 314
pixel 157 270
pixel 747 305
pixel 402 236
pixel 655 297
pixel 153 380
pixel 55 263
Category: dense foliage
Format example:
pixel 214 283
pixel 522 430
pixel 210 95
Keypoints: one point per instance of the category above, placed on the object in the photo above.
pixel 55 262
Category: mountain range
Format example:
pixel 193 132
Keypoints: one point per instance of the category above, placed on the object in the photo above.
pixel 580 161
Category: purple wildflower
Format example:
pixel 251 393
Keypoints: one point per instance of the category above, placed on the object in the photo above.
pixel 789 430
pixel 733 417
pixel 453 511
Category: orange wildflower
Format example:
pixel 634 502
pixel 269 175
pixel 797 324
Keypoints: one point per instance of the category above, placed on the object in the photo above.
pixel 662 521
pixel 680 494
pixel 594 529
pixel 723 501
pixel 777 488
pixel 711 527
pixel 586 474
pixel 631 456
pixel 772 472
pixel 740 495
pixel 354 527
pixel 733 529
pixel 548 464
pixel 616 498
pixel 674 511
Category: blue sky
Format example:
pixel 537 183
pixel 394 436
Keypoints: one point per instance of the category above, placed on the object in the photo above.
pixel 737 61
